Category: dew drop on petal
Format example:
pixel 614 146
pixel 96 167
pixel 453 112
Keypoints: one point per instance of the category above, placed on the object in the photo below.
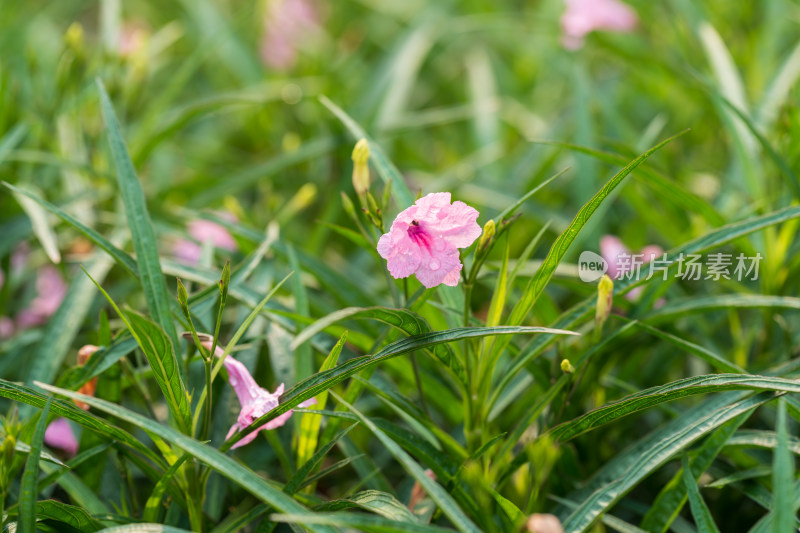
pixel 434 264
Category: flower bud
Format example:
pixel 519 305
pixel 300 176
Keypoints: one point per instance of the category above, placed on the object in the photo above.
pixel 361 167
pixel 348 206
pixel 9 447
pixel 183 298
pixel 487 235
pixel 225 281
pixel 567 367
pixel 605 293
pixel 74 38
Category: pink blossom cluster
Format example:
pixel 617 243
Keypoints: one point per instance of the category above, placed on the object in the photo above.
pixel 188 251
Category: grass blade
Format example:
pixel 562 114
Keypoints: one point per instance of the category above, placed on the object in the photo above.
pixel 783 517
pixel 30 477
pixel 700 512
pixel 142 234
pixel 433 489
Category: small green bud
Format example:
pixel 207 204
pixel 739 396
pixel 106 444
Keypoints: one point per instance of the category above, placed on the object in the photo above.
pixel 74 38
pixel 183 298
pixel 225 280
pixel 567 367
pixel 605 293
pixel 9 447
pixel 488 233
pixel 361 167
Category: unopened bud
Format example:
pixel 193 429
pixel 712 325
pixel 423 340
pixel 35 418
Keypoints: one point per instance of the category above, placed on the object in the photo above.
pixel 488 233
pixel 605 293
pixel 90 387
pixel 9 447
pixel 183 298
pixel 361 167
pixel 567 367
pixel 74 37
pixel 225 280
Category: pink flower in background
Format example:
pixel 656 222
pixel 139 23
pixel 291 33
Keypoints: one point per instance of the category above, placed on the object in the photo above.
pixel 286 24
pixel 59 435
pixel 585 16
pixel 425 238
pixel 50 292
pixel 189 252
pixel 255 400
pixel 6 327
pixel 621 261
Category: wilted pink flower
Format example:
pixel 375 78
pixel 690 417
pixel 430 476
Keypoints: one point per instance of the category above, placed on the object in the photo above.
pixel 50 292
pixel 585 16
pixel 189 252
pixel 286 24
pixel 425 238
pixel 59 435
pixel 621 261
pixel 255 400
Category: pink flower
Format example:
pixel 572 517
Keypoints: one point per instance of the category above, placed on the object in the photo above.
pixel 286 25
pixel 255 400
pixel 6 327
pixel 59 435
pixel 50 292
pixel 585 16
pixel 621 261
pixel 425 238
pixel 189 252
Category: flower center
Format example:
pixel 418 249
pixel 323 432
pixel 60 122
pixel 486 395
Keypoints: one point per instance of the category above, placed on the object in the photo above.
pixel 417 234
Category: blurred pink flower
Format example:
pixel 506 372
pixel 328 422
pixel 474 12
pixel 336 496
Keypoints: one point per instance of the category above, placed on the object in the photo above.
pixel 582 17
pixel 50 292
pixel 255 400
pixel 286 24
pixel 6 327
pixel 621 261
pixel 59 435
pixel 189 252
pixel 425 238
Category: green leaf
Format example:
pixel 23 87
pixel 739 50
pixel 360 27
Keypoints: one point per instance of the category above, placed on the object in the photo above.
pixel 68 410
pixel 700 512
pixel 561 245
pixel 69 515
pixel 41 225
pixel 783 517
pixel 122 259
pixel 296 481
pixel 144 528
pixel 621 474
pixel 406 321
pixel 359 522
pixel 161 356
pixel 154 502
pixel 445 502
pixel 323 381
pixel 144 238
pixel 723 301
pixel 669 502
pixel 378 502
pixel 383 165
pixel 220 462
pixel 308 435
pixel 712 358
pixel 666 393
pixel 29 489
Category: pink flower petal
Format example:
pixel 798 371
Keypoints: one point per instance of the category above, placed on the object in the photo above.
pixel 611 248
pixel 424 240
pixel 582 17
pixel 59 435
